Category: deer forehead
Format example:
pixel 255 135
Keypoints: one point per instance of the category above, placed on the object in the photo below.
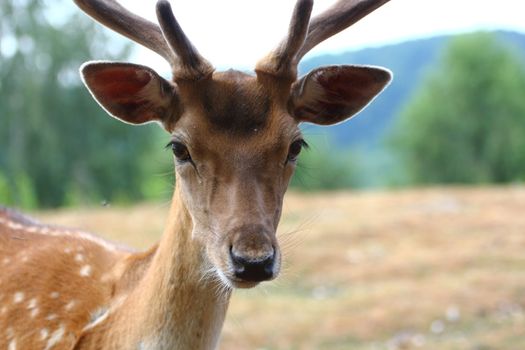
pixel 236 104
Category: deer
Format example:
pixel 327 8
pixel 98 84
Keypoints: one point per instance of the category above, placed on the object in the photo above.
pixel 235 139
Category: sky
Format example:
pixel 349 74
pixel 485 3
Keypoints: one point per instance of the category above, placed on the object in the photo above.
pixel 236 33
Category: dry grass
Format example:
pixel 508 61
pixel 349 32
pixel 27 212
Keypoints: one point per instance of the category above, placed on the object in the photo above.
pixel 436 268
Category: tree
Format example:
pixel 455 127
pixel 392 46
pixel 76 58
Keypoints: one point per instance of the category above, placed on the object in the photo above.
pixel 466 124
pixel 56 145
pixel 324 166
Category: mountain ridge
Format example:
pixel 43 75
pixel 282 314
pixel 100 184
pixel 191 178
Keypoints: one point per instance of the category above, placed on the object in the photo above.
pixel 409 61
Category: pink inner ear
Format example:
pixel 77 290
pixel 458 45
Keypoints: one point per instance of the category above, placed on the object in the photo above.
pixel 120 83
pixel 337 85
pixel 329 95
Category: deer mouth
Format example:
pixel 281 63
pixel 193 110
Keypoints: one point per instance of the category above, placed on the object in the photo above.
pixel 244 284
pixel 233 282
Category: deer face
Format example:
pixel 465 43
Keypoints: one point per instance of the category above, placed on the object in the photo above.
pixel 234 136
pixel 235 152
pixel 235 140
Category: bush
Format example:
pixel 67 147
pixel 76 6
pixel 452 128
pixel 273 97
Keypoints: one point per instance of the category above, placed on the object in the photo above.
pixel 324 167
pixel 466 124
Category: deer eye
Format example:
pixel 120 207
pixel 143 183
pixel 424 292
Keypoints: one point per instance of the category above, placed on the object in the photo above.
pixel 180 151
pixel 295 149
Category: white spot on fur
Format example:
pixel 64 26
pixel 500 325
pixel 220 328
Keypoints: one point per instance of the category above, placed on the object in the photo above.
pixel 32 303
pixel 18 297
pixel 67 250
pixel 85 271
pixel 32 229
pixel 12 345
pixel 14 225
pixel 97 317
pixel 54 295
pixel 44 333
pixel 101 314
pixel 34 312
pixel 51 317
pixel 70 305
pixel 79 257
pixel 55 337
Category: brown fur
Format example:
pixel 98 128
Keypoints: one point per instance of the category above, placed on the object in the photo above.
pixel 220 100
pixel 132 286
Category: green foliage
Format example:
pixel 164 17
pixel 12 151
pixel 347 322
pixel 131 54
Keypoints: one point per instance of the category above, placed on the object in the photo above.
pixel 467 122
pixel 17 190
pixel 324 166
pixel 57 146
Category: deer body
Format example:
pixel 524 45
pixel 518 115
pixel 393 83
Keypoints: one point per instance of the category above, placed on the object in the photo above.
pixel 235 140
pixel 71 290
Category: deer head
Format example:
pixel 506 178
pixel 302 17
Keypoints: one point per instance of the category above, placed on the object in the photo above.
pixel 235 136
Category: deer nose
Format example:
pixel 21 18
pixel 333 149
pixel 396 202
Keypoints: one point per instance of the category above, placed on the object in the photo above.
pixel 251 268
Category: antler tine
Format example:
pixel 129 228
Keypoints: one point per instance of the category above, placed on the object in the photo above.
pixel 281 61
pixel 334 20
pixel 191 64
pixel 170 42
pixel 114 16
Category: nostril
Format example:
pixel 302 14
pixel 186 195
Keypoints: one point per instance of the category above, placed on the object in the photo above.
pixel 238 262
pixel 253 269
pixel 268 266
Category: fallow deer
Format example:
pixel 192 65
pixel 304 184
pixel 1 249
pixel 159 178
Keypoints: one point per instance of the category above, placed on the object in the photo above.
pixel 235 140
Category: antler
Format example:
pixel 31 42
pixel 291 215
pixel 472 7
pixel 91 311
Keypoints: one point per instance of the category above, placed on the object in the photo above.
pixel 191 63
pixel 281 61
pixel 332 21
pixel 171 43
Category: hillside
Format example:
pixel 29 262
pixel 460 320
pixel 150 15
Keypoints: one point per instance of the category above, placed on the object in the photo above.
pixel 439 268
pixel 409 61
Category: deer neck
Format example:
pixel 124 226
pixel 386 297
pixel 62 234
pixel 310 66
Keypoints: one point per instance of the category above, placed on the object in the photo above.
pixel 175 305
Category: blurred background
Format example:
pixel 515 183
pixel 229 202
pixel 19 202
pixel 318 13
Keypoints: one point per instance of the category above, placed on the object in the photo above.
pixel 404 227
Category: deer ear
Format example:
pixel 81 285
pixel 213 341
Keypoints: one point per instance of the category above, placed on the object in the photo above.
pixel 329 95
pixel 132 93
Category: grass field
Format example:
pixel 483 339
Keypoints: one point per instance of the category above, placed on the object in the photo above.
pixel 440 268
